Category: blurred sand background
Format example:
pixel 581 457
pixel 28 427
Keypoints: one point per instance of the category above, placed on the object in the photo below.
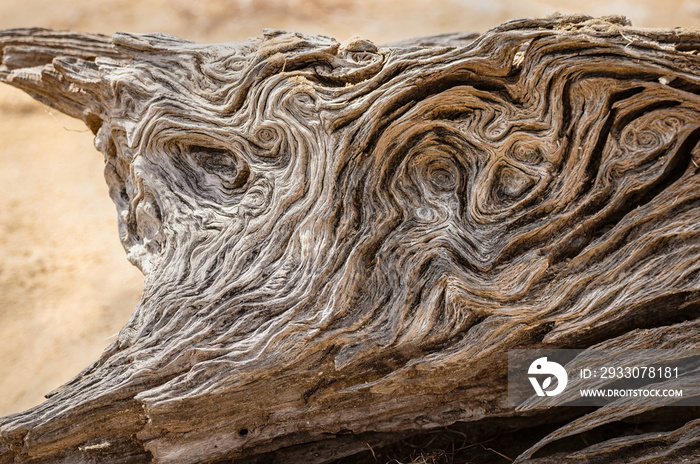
pixel 65 285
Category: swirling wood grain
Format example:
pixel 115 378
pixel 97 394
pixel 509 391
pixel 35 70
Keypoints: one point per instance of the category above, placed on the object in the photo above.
pixel 342 241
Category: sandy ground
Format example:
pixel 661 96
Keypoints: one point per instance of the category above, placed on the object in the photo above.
pixel 65 286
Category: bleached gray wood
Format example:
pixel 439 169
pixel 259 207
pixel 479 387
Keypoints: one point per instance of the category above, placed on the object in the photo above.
pixel 342 241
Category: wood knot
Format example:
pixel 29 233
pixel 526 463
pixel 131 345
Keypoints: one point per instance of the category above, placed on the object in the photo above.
pixel 358 44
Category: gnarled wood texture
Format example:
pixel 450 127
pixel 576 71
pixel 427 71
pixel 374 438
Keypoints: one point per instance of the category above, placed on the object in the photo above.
pixel 342 241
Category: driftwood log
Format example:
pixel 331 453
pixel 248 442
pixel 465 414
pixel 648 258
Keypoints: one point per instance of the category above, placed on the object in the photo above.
pixel 341 241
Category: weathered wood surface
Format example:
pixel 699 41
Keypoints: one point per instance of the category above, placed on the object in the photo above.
pixel 342 241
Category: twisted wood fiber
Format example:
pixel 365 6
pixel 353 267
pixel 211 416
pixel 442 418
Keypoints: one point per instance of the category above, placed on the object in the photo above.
pixel 342 241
